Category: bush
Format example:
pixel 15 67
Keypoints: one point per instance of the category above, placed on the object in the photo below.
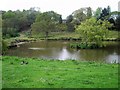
pixel 84 45
pixel 4 47
pixel 9 32
pixel 92 32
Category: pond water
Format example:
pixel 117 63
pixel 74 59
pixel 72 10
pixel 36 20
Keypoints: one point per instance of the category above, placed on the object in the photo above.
pixel 61 50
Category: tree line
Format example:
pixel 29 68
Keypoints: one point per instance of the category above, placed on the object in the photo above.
pixel 36 22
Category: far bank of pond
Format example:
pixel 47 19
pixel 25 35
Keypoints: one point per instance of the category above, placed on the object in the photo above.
pixel 44 73
pixel 60 50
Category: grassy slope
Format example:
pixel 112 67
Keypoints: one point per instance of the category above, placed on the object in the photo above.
pixel 58 74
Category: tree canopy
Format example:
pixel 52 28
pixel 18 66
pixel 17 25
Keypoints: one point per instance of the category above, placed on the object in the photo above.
pixel 17 21
pixel 45 23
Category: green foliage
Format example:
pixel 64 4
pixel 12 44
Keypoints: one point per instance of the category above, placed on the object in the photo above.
pixel 105 13
pixel 89 12
pixel 77 17
pixel 45 23
pixel 118 23
pixel 0 72
pixel 97 12
pixel 109 9
pixel 82 14
pixel 69 24
pixel 84 45
pixel 17 21
pixel 93 31
pixel 9 32
pixel 4 47
pixel 61 27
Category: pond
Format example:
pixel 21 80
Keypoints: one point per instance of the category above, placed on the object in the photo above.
pixel 61 50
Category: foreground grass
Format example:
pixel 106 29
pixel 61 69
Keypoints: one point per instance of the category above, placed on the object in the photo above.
pixel 0 72
pixel 39 73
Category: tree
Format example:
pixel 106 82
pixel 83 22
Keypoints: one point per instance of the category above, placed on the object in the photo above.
pixel 70 26
pixel 114 18
pixel 105 12
pixel 97 12
pixel 61 27
pixel 4 47
pixel 9 24
pixel 109 9
pixel 93 31
pixel 77 17
pixel 89 12
pixel 45 23
pixel 80 15
pixel 69 19
pixel 60 19
pixel 42 27
pixel 17 21
pixel 118 23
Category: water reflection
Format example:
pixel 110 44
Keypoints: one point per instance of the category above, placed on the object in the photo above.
pixel 66 54
pixel 60 50
pixel 112 58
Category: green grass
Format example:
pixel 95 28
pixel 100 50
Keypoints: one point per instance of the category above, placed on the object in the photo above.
pixel 40 73
pixel 0 73
pixel 113 34
pixel 58 35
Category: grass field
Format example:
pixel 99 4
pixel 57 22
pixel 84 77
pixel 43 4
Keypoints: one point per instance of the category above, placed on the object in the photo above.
pixel 39 73
pixel 0 73
pixel 66 35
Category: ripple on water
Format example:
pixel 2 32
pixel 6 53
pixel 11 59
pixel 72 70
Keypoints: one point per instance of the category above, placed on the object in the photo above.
pixel 36 48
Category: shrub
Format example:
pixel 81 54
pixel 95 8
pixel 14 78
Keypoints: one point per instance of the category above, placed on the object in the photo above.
pixel 4 47
pixel 92 32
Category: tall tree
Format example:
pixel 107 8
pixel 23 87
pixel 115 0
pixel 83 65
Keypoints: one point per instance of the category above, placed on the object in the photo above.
pixel 105 13
pixel 45 23
pixel 109 9
pixel 89 12
pixel 97 12
pixel 69 19
pixel 60 19
pixel 118 23
pixel 80 15
pixel 17 21
pixel 70 26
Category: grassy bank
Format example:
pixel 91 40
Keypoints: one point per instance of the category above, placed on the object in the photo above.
pixel 39 73
pixel 112 36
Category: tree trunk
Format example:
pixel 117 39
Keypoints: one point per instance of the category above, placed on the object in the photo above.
pixel 46 35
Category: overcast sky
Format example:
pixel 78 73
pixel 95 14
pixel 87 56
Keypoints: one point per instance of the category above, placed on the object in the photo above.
pixel 63 7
